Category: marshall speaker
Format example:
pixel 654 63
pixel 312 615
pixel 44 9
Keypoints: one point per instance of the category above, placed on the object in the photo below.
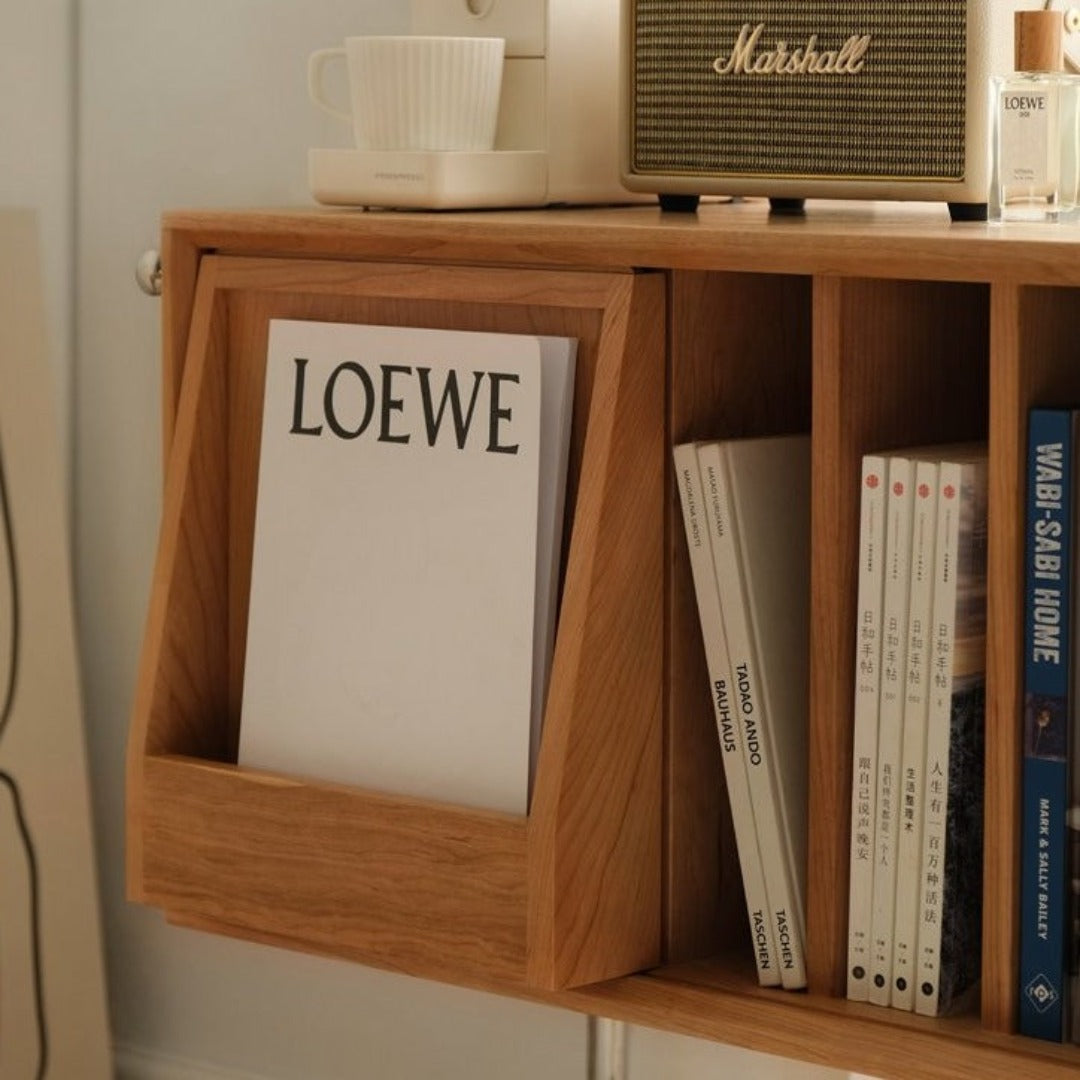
pixel 812 98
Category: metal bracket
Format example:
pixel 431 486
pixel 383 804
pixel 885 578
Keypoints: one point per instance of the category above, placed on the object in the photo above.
pixel 148 272
pixel 607 1049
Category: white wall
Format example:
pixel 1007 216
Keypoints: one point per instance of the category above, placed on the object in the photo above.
pixel 656 1055
pixel 37 87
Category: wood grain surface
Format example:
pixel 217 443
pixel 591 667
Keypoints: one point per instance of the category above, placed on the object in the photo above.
pixel 872 326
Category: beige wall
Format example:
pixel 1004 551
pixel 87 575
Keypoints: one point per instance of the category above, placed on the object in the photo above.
pixel 37 87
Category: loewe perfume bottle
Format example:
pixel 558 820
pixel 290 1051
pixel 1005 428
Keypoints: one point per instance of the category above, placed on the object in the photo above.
pixel 1036 137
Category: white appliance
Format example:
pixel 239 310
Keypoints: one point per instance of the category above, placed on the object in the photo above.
pixel 558 134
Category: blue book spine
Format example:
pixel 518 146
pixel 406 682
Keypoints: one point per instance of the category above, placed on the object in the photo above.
pixel 1043 856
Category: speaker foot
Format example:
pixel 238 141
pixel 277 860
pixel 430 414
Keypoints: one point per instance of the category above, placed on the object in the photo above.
pixel 680 204
pixel 967 211
pixel 787 206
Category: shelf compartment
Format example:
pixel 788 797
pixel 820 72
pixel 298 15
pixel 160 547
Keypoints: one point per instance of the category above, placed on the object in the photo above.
pixel 1033 354
pixel 896 363
pixel 572 893
pixel 865 364
pixel 729 376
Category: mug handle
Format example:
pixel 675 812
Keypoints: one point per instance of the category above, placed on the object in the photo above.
pixel 316 62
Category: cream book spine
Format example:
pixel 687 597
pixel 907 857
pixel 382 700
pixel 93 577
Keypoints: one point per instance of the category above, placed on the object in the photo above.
pixel 871 579
pixel 913 741
pixel 558 363
pixel 760 534
pixel 898 518
pixel 694 514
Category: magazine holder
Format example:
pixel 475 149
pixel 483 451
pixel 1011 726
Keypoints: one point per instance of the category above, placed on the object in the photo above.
pixel 571 893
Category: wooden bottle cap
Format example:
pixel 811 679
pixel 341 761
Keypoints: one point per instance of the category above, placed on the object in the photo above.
pixel 1037 43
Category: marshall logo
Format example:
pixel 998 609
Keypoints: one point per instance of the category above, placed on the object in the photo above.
pixel 745 59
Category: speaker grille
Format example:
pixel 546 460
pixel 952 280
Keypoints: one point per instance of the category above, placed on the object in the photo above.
pixel 901 117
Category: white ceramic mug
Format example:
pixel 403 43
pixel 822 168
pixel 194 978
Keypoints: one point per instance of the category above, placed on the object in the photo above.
pixel 415 92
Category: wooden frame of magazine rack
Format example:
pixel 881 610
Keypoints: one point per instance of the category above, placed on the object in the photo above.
pixel 569 895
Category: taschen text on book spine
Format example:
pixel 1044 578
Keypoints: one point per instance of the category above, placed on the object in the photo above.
pixel 769 488
pixel 693 501
pixel 784 904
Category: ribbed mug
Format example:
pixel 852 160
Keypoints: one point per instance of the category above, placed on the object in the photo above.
pixel 416 92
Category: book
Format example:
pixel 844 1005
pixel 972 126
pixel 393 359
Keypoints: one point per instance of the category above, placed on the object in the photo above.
pixel 950 897
pixel 1073 833
pixel 913 739
pixel 1072 818
pixel 871 579
pixel 695 510
pixel 762 570
pixel 401 609
pixel 558 363
pixel 1047 718
pixel 930 461
pixel 896 597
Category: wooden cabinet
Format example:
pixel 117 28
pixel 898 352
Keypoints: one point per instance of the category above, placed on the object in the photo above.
pixel 870 326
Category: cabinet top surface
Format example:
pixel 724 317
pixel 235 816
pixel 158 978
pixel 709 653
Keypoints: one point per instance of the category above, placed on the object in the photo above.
pixel 833 237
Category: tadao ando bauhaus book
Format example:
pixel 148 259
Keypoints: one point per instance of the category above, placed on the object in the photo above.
pixel 759 520
pixel 407 536
pixel 699 511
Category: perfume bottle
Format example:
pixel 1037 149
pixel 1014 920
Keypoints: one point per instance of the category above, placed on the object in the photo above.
pixel 1035 135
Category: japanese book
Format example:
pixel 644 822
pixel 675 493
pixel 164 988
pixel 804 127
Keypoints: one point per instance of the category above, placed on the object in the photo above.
pixel 929 464
pixel 913 738
pixel 1072 820
pixel 762 568
pixel 1044 876
pixel 950 901
pixel 898 519
pixel 1073 841
pixel 871 578
pixel 407 530
pixel 697 506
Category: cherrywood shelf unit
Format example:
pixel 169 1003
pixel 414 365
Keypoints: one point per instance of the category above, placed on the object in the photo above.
pixel 869 326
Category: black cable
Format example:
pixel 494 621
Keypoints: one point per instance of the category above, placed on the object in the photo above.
pixel 13 578
pixel 12 785
pixel 35 924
